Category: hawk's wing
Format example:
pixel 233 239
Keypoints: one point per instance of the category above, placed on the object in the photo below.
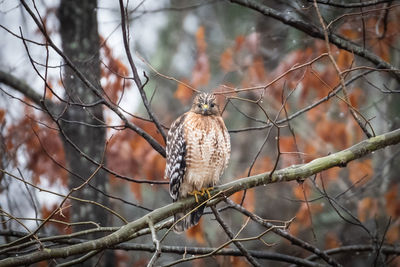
pixel 176 153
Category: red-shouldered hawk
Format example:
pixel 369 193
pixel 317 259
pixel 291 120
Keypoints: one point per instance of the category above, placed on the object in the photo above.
pixel 198 151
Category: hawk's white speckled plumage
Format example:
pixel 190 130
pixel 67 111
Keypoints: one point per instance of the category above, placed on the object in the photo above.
pixel 198 151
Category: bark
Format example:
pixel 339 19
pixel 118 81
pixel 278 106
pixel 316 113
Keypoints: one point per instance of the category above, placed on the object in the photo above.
pixel 293 173
pixel 81 44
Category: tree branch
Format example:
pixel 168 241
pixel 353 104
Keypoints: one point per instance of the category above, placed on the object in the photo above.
pixel 314 31
pixel 22 87
pixel 351 5
pixel 136 77
pixel 285 234
pixel 97 91
pixel 338 159
pixel 230 234
pixel 387 250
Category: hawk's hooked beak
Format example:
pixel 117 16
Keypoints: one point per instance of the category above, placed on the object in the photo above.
pixel 206 109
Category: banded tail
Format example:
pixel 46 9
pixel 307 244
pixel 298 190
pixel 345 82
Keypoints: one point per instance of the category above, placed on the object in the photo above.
pixel 189 221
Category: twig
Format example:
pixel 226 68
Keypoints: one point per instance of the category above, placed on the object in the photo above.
pixel 153 142
pixel 331 94
pixel 283 233
pixel 314 31
pixel 157 252
pixel 288 174
pixel 232 237
pixel 79 260
pixel 165 76
pixel 357 248
pixel 136 78
pixel 350 5
pixel 342 82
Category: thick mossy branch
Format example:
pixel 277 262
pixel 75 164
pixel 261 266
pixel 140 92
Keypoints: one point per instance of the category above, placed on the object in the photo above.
pixel 339 159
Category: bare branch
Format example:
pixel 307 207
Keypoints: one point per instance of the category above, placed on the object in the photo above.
pixel 317 32
pixel 351 5
pixel 153 142
pixel 125 233
pixel 230 234
pixel 136 77
pixel 285 234
pixel 20 86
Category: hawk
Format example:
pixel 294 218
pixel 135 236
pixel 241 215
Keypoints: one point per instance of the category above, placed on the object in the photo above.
pixel 198 151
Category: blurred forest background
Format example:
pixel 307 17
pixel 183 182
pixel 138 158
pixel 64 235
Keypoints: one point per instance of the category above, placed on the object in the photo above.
pixel 88 90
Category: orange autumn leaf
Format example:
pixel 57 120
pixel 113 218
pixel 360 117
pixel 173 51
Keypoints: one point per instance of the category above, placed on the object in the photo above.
pixel 127 151
pixel 393 234
pixel 349 32
pixel 239 41
pixel 200 39
pixel 290 155
pixel 122 259
pixel 382 49
pixel 43 264
pixel 356 97
pixel 136 188
pixel 226 60
pixel 287 144
pixel 113 71
pixel 310 151
pixel 155 165
pixel 2 115
pixel 333 132
pixel 238 262
pixel 360 169
pixel 303 216
pixel 262 165
pixel 331 174
pixel 331 240
pixel 316 114
pixel 300 190
pixel 367 208
pixel 43 147
pixel 201 71
pixel 344 59
pixel 256 73
pixel 62 215
pixel 258 65
pixel 196 232
pixel 249 202
pixel 49 93
pixel 392 202
pixel 183 93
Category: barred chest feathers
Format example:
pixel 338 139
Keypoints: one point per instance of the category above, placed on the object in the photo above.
pixel 207 151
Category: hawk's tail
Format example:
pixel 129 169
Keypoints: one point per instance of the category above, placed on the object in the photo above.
pixel 189 221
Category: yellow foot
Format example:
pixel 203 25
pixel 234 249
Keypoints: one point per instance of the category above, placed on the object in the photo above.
pixel 203 191
pixel 195 193
pixel 206 190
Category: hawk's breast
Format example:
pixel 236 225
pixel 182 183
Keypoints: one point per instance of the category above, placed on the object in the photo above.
pixel 207 151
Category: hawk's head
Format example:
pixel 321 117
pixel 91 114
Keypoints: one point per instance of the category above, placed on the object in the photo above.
pixel 205 104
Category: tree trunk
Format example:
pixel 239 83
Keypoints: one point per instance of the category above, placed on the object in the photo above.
pixel 81 44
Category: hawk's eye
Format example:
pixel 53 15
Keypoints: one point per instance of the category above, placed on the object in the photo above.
pixel 212 105
pixel 199 105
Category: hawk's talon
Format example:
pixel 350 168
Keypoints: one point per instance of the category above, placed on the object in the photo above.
pixel 195 193
pixel 207 190
pixel 201 193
